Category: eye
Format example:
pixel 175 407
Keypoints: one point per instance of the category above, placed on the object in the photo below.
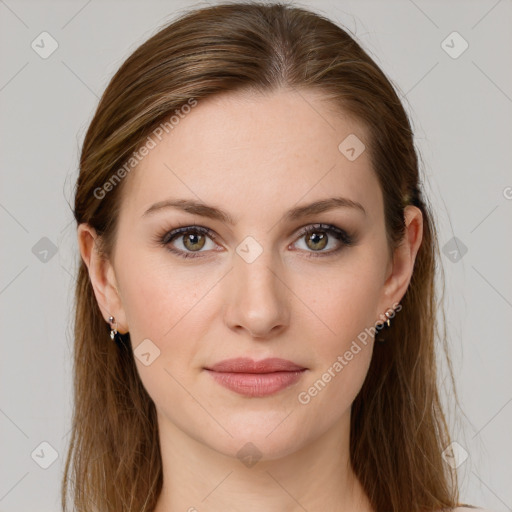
pixel 319 236
pixel 191 239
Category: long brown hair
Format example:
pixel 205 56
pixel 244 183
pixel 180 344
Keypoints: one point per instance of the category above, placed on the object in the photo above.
pixel 398 429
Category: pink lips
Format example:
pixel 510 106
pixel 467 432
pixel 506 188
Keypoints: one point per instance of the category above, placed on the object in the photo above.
pixel 256 378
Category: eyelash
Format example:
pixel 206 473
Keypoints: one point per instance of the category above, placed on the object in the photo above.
pixel 167 237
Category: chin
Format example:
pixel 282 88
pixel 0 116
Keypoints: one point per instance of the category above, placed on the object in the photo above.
pixel 260 437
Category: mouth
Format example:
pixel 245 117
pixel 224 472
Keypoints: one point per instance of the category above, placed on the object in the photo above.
pixel 256 378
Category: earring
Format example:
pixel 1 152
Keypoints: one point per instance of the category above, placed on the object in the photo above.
pixel 122 340
pixel 113 330
pixel 380 327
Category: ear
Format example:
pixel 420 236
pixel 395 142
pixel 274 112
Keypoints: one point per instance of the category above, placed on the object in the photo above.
pixel 400 268
pixel 102 276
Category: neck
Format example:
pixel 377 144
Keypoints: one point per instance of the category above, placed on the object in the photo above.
pixel 318 476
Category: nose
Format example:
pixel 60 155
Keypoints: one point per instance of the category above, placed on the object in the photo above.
pixel 258 300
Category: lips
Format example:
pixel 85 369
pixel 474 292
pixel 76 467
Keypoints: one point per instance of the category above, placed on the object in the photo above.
pixel 256 378
pixel 246 365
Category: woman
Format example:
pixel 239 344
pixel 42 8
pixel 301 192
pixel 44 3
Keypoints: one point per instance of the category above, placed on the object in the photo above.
pixel 255 241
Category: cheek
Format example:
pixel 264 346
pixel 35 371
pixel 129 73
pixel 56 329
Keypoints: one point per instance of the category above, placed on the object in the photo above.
pixel 160 297
pixel 173 307
pixel 346 300
pixel 329 393
pixel 341 357
pixel 165 303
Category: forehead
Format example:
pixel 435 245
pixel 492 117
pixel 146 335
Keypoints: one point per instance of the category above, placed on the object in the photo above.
pixel 256 153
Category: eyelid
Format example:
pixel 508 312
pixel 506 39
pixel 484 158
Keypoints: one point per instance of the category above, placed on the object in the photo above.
pixel 329 228
pixel 173 233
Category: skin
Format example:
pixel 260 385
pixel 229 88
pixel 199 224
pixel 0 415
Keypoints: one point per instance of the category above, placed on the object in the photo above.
pixel 256 157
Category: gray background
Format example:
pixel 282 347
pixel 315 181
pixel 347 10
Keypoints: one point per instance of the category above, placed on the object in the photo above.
pixel 461 109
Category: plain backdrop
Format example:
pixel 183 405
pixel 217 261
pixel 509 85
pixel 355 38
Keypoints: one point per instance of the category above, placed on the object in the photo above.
pixel 457 89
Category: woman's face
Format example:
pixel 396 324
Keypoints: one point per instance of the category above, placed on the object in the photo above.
pixel 258 287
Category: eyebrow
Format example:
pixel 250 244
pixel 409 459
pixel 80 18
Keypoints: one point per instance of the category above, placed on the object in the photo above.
pixel 212 212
